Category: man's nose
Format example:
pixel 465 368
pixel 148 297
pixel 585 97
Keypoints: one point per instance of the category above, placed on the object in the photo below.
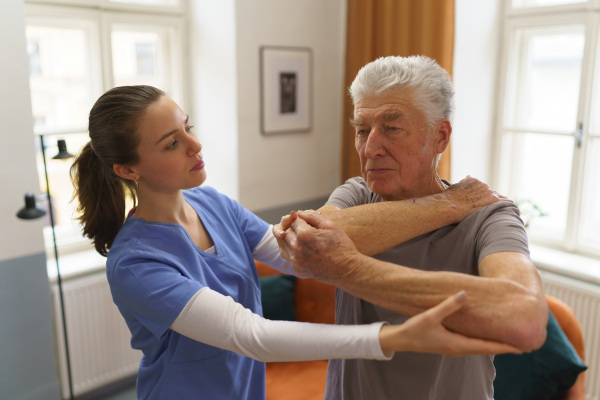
pixel 375 144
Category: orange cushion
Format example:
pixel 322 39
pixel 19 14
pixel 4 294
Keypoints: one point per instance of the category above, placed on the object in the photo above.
pixel 314 301
pixel 572 328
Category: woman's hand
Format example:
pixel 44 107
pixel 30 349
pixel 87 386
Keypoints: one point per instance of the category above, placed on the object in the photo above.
pixel 425 333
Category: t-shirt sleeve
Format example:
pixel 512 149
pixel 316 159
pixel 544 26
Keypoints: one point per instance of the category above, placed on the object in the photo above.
pixel 501 230
pixel 151 289
pixel 352 193
pixel 252 227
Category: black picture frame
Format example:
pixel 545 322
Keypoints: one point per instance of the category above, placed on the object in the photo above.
pixel 285 89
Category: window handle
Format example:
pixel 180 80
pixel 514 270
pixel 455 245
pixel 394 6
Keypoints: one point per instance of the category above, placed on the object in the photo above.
pixel 579 135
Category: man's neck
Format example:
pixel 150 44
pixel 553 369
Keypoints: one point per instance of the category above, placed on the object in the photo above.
pixel 436 186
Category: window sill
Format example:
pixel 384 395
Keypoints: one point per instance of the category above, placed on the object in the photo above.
pixel 571 265
pixel 75 265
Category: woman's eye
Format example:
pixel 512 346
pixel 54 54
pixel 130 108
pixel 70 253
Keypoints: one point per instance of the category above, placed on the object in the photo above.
pixel 189 128
pixel 172 145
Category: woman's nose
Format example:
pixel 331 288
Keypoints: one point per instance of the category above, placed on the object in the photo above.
pixel 194 146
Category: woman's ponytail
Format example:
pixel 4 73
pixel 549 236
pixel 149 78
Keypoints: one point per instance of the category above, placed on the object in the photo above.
pixel 100 192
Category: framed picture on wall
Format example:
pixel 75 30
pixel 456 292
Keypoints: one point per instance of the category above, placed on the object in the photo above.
pixel 285 89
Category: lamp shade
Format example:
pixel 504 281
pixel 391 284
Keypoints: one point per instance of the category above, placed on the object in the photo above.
pixel 31 210
pixel 63 153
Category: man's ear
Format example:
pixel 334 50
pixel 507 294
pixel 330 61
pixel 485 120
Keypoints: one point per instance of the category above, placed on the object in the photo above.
pixel 125 172
pixel 444 130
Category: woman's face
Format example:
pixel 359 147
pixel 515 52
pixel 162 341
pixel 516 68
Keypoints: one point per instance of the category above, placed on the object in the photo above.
pixel 170 154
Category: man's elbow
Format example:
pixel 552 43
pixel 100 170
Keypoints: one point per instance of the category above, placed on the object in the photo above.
pixel 531 332
pixel 532 336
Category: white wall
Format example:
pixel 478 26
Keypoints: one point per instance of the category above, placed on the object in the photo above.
pixel 214 94
pixel 290 168
pixel 18 172
pixel 266 171
pixel 27 362
pixel 476 57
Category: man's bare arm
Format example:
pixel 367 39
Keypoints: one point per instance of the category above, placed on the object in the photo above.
pixel 506 304
pixel 380 226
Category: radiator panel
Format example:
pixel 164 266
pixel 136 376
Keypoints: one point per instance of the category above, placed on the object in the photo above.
pixel 99 348
pixel 584 299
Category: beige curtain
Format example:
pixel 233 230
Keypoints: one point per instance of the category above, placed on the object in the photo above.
pixel 377 28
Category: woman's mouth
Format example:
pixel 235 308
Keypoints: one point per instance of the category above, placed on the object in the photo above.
pixel 199 165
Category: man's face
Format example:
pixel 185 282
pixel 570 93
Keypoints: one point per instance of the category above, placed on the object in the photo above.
pixel 396 148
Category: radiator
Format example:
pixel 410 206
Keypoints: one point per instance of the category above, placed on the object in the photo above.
pixel 99 348
pixel 584 299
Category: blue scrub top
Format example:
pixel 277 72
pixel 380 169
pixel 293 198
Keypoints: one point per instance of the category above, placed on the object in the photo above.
pixel 155 268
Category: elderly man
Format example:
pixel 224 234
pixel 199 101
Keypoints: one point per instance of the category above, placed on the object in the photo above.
pixel 402 112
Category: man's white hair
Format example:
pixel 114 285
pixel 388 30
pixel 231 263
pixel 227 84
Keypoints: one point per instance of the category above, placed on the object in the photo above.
pixel 433 93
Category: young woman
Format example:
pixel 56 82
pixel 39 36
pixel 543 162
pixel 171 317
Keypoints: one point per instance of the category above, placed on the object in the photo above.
pixel 181 264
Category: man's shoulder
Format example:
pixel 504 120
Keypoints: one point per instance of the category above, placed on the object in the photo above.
pixel 353 192
pixel 499 209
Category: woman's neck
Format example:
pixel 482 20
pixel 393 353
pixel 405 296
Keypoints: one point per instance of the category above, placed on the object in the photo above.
pixel 164 207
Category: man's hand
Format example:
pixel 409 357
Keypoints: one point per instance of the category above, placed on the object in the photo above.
pixel 315 246
pixel 469 195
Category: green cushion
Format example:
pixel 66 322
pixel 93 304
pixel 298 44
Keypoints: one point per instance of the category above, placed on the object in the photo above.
pixel 543 374
pixel 277 294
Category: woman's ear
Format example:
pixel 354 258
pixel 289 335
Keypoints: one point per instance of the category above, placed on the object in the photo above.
pixel 125 172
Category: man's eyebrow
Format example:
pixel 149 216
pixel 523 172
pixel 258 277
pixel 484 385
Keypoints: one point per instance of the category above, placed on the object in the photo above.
pixel 388 116
pixel 356 122
pixel 166 135
pixel 392 116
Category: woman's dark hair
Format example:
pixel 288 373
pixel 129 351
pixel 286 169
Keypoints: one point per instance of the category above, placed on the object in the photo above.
pixel 114 139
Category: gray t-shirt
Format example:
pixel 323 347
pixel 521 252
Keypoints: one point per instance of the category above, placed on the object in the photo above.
pixel 418 376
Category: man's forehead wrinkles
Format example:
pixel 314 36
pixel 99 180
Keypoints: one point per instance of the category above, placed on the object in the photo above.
pixel 387 115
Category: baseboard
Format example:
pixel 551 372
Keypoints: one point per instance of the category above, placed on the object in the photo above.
pixel 273 215
pixel 110 390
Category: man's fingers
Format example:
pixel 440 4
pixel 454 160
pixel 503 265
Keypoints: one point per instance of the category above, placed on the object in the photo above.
pixel 314 218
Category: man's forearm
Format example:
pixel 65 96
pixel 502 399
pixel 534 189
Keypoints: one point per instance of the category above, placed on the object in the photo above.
pixel 380 226
pixel 496 309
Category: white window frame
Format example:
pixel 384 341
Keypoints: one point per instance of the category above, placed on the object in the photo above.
pixel 588 15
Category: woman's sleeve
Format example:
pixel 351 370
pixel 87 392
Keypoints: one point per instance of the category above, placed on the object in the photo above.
pixel 217 320
pixel 267 252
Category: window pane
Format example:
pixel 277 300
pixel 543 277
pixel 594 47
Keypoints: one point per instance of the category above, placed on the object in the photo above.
pixel 539 171
pixel 60 77
pixel 590 210
pixel 543 92
pixel 137 58
pixel 543 3
pixel 594 128
pixel 68 230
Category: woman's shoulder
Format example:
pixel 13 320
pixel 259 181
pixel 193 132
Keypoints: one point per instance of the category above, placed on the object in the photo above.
pixel 139 235
pixel 208 198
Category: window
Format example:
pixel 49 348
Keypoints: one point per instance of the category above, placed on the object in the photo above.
pixel 549 122
pixel 77 50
